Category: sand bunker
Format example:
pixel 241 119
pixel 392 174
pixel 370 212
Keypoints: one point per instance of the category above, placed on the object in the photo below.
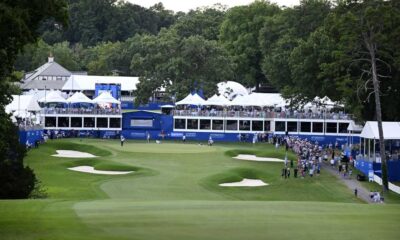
pixel 245 183
pixel 258 159
pixel 73 154
pixel 88 169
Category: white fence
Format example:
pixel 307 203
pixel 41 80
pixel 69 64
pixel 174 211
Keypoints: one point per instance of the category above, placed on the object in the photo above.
pixel 392 187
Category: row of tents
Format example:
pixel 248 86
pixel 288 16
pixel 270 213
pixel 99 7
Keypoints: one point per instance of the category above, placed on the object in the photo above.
pixel 23 105
pixel 254 99
pixel 78 97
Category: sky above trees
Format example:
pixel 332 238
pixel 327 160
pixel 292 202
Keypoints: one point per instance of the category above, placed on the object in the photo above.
pixel 193 4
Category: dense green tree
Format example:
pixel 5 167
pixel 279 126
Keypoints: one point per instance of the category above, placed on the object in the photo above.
pixel 368 50
pixel 239 35
pixel 281 34
pixel 180 65
pixel 204 22
pixel 36 54
pixel 306 66
pixel 19 21
pixel 94 21
pixel 103 58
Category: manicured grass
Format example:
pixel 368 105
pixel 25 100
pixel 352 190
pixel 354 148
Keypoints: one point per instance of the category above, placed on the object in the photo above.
pixel 174 194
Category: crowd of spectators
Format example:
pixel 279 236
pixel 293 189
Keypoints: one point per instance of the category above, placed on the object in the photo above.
pixel 257 112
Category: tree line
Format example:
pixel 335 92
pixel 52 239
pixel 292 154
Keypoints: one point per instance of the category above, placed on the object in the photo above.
pixel 312 49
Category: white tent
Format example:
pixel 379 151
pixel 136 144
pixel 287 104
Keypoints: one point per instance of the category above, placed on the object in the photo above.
pixel 391 130
pixel 354 127
pixel 167 106
pixel 238 101
pixel 23 103
pixel 190 99
pixel 260 100
pixel 218 101
pixel 230 89
pixel 79 97
pixel 21 114
pixel 105 97
pixel 53 97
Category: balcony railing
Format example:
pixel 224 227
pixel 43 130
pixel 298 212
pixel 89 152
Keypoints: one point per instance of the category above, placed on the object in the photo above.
pixel 82 111
pixel 261 114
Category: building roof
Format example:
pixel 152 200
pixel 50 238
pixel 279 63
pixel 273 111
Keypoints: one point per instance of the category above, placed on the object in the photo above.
pixel 51 68
pixel 42 84
pixel 85 82
pixel 391 130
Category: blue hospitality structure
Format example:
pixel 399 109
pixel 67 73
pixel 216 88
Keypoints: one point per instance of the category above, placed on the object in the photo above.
pixel 369 160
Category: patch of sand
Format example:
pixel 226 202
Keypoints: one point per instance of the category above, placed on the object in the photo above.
pixel 248 157
pixel 245 183
pixel 88 169
pixel 73 154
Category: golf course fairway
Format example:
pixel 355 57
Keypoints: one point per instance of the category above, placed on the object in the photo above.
pixel 173 192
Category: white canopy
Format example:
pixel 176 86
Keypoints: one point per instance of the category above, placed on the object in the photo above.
pixel 53 97
pixel 230 89
pixel 327 101
pixel 391 130
pixel 260 100
pixel 218 101
pixel 23 103
pixel 79 97
pixel 238 101
pixel 354 127
pixel 167 106
pixel 190 99
pixel 105 97
pixel 21 114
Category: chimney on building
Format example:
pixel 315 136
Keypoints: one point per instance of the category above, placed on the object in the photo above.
pixel 51 58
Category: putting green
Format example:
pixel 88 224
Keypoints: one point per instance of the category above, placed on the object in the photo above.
pixel 174 194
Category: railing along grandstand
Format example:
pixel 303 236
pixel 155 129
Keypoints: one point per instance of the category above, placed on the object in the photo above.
pixel 262 114
pixel 82 111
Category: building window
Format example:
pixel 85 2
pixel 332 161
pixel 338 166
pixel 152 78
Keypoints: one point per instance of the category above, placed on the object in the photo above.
pixel 63 122
pixel 88 122
pixel 205 124
pixel 331 127
pixel 115 122
pixel 50 121
pixel 244 125
pixel 343 127
pixel 231 125
pixel 257 126
pixel 292 126
pixel 305 127
pixel 267 126
pixel 102 122
pixel 180 123
pixel 318 127
pixel 218 124
pixel 280 126
pixel 193 124
pixel 76 122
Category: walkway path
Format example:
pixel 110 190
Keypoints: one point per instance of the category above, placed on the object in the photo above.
pixel 352 183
